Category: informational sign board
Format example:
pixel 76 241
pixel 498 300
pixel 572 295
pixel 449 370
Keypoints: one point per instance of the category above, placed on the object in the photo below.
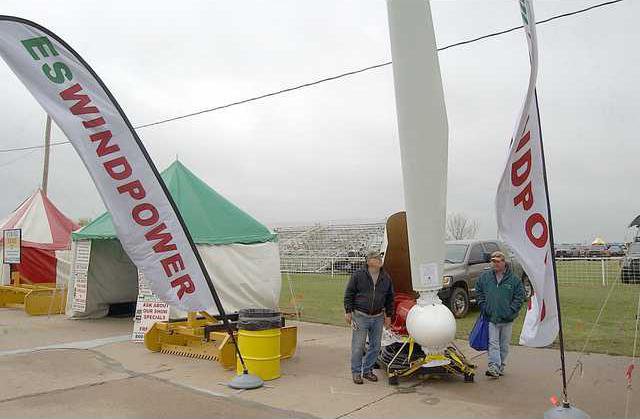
pixel 429 277
pixel 12 240
pixel 149 310
pixel 80 271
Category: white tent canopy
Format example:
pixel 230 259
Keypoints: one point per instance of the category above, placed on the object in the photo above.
pixel 240 254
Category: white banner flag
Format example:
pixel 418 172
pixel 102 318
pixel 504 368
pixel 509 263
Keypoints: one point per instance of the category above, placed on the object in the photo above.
pixel 146 220
pixel 522 210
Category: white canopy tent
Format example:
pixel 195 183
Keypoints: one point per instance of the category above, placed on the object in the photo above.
pixel 240 254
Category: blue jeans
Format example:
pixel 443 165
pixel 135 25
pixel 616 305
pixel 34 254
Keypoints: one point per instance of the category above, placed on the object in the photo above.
pixel 499 339
pixel 365 326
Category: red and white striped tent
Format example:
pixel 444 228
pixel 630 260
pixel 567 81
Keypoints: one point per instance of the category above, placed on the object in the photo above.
pixel 46 241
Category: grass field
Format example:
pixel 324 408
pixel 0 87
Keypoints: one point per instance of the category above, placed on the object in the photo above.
pixel 319 298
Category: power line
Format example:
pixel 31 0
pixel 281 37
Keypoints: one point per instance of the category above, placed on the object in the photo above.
pixel 540 22
pixel 338 76
pixel 289 89
pixel 7 150
pixel 362 70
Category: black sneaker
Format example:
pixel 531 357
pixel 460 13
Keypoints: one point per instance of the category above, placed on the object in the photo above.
pixel 370 376
pixel 357 379
pixel 492 373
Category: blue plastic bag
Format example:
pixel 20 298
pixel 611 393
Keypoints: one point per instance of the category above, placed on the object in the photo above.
pixel 479 336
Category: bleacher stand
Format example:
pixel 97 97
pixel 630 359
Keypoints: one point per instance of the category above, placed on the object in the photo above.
pixel 322 248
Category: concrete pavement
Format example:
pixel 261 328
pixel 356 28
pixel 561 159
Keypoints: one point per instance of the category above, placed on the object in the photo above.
pixel 118 378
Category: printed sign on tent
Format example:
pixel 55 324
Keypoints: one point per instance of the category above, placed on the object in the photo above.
pixel 149 310
pixel 80 272
pixel 11 245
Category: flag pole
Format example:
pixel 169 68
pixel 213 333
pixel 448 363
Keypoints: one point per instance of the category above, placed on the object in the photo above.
pixel 565 399
pixel 47 146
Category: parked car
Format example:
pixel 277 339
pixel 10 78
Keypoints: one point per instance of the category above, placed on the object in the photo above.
pixel 597 251
pixel 465 260
pixel 352 262
pixel 564 252
pixel 579 251
pixel 630 272
pixel 615 250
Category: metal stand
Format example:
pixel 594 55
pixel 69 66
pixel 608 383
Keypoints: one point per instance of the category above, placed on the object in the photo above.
pixel 246 381
pixel 451 361
pixel 565 412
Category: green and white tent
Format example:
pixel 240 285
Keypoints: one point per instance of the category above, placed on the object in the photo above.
pixel 240 253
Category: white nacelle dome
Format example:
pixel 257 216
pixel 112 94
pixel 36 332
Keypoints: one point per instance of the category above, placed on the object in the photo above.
pixel 432 326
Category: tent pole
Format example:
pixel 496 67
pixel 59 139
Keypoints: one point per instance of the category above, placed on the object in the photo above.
pixel 47 146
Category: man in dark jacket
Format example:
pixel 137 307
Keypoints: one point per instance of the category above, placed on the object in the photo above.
pixel 500 295
pixel 368 302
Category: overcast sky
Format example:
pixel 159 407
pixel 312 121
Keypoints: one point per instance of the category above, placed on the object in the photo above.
pixel 330 152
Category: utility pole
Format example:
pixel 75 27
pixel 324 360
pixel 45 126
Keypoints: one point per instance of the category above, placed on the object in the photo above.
pixel 47 144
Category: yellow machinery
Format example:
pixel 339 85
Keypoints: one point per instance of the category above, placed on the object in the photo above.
pixel 36 300
pixel 407 358
pixel 204 336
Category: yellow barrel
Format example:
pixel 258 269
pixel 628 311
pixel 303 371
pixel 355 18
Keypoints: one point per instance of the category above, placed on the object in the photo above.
pixel 260 350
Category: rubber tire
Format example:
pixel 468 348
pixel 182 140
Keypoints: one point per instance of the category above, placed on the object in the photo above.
pixel 524 281
pixel 393 380
pixel 624 278
pixel 458 290
pixel 469 378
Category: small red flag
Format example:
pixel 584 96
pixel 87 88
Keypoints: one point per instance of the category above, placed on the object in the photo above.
pixel 629 373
